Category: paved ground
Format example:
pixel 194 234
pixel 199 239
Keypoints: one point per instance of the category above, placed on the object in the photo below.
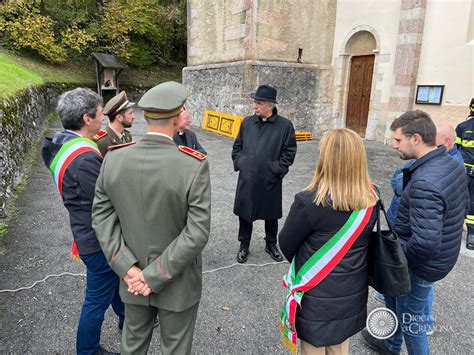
pixel 240 305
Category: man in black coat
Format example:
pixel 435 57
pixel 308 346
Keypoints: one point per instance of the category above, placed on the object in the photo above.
pixel 262 153
pixel 184 135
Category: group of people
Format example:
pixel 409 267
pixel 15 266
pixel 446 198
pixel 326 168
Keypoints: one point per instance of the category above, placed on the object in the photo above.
pixel 139 214
pixel 140 217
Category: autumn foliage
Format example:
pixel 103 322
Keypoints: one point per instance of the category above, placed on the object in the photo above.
pixel 141 32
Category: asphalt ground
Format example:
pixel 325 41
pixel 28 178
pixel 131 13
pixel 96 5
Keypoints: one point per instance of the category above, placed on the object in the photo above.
pixel 240 306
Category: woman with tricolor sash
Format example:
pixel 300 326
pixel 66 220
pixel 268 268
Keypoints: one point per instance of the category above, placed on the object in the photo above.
pixel 325 237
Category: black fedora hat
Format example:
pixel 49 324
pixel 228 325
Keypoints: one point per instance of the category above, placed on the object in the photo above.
pixel 265 93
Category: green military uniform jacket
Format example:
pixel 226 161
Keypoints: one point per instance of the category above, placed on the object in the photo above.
pixel 152 208
pixel 108 137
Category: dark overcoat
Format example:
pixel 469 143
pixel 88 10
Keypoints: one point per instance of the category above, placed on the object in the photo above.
pixel 191 141
pixel 262 153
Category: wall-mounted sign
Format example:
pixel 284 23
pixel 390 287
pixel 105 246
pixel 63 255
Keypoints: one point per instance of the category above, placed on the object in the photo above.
pixel 222 123
pixel 429 94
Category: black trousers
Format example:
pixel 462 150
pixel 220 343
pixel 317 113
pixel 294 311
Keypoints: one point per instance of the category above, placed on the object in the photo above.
pixel 245 231
pixel 470 216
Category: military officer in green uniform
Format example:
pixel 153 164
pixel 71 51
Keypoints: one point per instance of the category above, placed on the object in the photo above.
pixel 120 113
pixel 151 214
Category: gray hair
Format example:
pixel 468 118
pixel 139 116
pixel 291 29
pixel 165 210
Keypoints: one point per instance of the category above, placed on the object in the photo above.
pixel 74 104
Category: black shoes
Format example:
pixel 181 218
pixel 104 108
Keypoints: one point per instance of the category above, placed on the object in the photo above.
pixel 271 249
pixel 243 254
pixel 470 241
pixel 274 252
pixel 374 343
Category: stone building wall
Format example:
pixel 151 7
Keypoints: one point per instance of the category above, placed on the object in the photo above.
pixel 304 91
pixel 236 45
pixel 235 30
pixel 22 118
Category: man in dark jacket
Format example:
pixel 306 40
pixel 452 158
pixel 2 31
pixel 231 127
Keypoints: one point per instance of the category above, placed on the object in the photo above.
pixel 465 144
pixel 75 161
pixel 262 153
pixel 185 136
pixel 429 224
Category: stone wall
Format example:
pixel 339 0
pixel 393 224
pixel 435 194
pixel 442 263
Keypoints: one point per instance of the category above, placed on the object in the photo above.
pixel 304 91
pixel 234 30
pixel 22 118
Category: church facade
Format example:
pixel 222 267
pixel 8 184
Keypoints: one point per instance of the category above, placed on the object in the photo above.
pixel 345 63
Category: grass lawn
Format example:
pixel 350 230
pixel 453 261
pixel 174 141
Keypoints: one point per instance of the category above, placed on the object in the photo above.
pixel 19 72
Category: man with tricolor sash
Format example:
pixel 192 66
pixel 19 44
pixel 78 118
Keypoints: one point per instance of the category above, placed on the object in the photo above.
pixel 74 161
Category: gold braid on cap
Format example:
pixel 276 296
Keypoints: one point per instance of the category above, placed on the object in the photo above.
pixel 162 115
pixel 122 106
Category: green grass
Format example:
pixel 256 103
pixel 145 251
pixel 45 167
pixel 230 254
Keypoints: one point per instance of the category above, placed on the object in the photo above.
pixel 18 72
pixel 3 229
pixel 13 76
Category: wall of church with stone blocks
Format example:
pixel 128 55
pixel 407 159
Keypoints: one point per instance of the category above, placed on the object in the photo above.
pixel 304 91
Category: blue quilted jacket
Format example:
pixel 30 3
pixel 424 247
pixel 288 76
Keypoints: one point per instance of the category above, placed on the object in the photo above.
pixel 431 214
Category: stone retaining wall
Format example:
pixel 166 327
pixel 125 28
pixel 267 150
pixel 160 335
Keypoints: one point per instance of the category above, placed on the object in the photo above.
pixel 22 118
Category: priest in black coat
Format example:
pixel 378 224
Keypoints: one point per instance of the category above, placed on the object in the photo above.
pixel 184 135
pixel 263 151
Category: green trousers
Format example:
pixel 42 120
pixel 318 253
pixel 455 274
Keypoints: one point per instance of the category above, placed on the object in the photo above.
pixel 176 329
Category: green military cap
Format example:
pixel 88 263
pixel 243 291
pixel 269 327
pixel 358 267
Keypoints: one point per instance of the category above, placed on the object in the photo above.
pixel 117 103
pixel 164 101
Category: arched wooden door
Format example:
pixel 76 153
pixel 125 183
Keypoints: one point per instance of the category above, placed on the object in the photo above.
pixel 362 68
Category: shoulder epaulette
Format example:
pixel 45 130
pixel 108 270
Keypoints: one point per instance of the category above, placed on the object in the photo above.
pixel 113 147
pixel 99 135
pixel 192 152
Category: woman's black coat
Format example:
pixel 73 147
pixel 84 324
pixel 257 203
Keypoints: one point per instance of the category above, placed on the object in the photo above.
pixel 262 153
pixel 335 309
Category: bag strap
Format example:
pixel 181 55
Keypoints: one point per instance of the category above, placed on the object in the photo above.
pixel 380 207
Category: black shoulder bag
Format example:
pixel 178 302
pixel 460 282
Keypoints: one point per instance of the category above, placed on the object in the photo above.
pixel 388 266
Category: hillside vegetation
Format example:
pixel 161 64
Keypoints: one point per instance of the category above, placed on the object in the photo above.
pixel 18 72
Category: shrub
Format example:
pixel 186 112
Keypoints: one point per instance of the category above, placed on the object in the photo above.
pixel 36 32
pixel 143 32
pixel 77 39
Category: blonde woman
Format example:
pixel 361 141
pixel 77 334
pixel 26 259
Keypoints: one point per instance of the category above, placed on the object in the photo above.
pixel 326 236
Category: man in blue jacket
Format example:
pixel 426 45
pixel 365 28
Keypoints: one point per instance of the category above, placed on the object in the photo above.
pixel 429 224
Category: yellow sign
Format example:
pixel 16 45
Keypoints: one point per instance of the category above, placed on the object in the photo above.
pixel 303 136
pixel 222 123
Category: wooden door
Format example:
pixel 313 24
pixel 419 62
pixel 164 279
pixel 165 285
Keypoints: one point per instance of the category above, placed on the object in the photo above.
pixel 362 68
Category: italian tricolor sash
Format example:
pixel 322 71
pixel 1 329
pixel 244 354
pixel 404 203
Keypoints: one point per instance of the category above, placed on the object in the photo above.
pixel 65 156
pixel 316 269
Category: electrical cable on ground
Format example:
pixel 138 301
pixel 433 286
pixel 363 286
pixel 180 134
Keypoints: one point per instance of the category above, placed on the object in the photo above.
pixel 83 275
